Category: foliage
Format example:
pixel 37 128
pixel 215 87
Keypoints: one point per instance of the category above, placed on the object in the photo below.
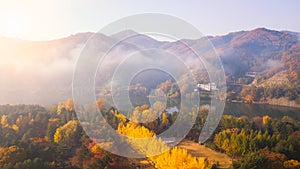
pixel 252 161
pixel 69 133
pixel 291 164
pixel 27 135
pixel 11 155
pixel 171 158
pixel 32 136
pixel 179 158
pixel 254 93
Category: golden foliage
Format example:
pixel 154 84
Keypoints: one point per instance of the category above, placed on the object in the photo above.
pixel 4 122
pixel 57 135
pixel 179 158
pixel 15 128
pixel 164 119
pixel 169 159
pixel 54 120
pixel 134 130
pixel 19 120
pixel 67 133
pixel 120 116
pixel 96 149
pixel 291 164
pixel 147 142
pixel 265 119
pixel 11 155
pixel 60 107
pixel 249 99
pixel 69 105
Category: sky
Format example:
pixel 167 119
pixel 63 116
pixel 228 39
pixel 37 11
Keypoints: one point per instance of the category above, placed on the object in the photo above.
pixel 52 19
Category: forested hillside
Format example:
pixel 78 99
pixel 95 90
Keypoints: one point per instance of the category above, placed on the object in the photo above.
pixel 267 61
pixel 35 137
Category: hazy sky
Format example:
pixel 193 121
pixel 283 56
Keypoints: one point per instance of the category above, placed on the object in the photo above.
pixel 51 19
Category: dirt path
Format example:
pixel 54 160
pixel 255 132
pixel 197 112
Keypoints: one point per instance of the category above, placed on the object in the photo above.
pixel 198 150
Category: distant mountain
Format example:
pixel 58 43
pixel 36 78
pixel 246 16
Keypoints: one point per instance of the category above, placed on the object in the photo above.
pixel 41 71
pixel 255 50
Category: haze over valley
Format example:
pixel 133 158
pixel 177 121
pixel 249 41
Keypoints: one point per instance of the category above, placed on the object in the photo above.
pixel 40 72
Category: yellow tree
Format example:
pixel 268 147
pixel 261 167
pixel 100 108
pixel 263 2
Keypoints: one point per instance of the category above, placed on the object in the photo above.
pixel 291 164
pixel 266 119
pixel 11 155
pixel 164 119
pixel 60 108
pixel 4 122
pixel 96 149
pixel 69 133
pixel 170 159
pixel 53 123
pixel 15 128
pixel 179 158
pixel 57 136
pixel 19 120
pixel 69 105
pixel 249 99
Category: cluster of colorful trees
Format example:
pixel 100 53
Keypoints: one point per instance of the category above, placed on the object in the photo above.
pixel 34 137
pixel 145 141
pixel 259 142
pixel 289 70
pixel 254 93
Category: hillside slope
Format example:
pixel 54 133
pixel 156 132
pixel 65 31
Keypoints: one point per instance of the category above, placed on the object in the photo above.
pixel 41 72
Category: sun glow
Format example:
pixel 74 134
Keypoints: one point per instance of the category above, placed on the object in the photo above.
pixel 13 25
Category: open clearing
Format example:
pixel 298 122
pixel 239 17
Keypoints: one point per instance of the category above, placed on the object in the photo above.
pixel 198 150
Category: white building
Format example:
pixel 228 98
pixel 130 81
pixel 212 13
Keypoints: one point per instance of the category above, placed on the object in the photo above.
pixel 207 87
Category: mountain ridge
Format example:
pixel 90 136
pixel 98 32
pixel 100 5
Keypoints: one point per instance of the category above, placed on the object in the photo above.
pixel 259 50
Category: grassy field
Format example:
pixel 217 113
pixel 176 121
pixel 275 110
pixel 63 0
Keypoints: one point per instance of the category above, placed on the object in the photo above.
pixel 198 150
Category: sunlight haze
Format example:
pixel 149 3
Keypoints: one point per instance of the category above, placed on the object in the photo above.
pixel 46 20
